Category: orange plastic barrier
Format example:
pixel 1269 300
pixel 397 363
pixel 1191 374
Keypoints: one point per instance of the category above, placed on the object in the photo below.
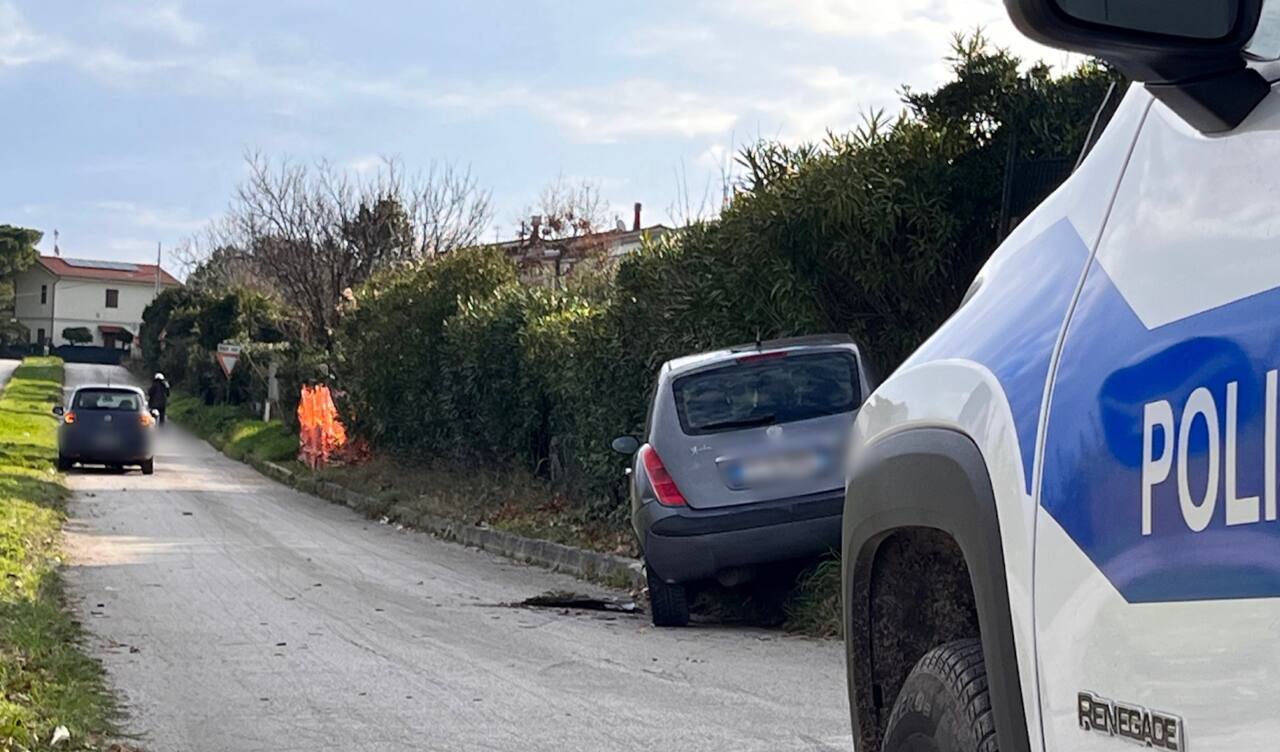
pixel 321 435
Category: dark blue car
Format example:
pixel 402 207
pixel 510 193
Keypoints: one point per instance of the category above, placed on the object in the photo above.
pixel 107 425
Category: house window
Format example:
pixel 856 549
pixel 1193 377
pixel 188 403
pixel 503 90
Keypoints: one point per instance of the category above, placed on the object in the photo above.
pixel 39 336
pixel 113 298
pixel 44 294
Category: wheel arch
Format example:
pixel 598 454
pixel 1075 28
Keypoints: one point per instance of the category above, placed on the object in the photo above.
pixel 923 497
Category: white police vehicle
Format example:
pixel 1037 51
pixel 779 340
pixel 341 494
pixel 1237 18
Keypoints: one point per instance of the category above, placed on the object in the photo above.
pixel 1060 530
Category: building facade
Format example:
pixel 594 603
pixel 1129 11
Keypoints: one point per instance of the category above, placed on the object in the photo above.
pixel 105 297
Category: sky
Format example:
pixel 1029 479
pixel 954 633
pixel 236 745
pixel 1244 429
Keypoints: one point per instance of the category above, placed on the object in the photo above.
pixel 127 123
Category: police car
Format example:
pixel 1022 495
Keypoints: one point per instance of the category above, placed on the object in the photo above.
pixel 1061 527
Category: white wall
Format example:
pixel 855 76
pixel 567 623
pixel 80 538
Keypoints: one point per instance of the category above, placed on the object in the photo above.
pixel 27 307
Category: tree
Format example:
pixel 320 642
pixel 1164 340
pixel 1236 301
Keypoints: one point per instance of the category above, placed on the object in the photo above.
pixel 77 335
pixel 17 252
pixel 306 235
pixel 17 249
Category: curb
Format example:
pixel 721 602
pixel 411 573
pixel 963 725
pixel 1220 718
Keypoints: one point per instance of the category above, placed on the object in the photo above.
pixel 579 562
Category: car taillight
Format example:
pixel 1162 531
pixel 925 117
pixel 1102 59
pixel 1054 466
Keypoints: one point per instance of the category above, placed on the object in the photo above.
pixel 663 486
pixel 69 417
pixel 145 420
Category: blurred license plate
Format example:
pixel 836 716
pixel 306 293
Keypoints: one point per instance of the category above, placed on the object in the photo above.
pixel 106 440
pixel 777 468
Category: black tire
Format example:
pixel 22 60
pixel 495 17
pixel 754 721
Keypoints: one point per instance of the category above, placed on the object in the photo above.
pixel 943 705
pixel 148 466
pixel 668 604
pixel 64 463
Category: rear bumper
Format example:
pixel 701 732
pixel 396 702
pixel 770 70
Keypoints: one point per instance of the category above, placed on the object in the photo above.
pixel 128 451
pixel 683 544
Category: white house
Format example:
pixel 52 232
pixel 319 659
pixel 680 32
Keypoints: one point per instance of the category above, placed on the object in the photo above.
pixel 105 297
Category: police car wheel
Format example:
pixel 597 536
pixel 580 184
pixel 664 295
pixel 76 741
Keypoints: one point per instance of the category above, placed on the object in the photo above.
pixel 668 604
pixel 943 705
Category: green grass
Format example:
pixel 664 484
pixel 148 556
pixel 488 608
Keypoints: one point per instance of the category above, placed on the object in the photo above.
pixel 233 430
pixel 813 608
pixel 45 681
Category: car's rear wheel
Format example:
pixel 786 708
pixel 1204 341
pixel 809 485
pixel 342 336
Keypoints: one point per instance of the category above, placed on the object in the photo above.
pixel 64 462
pixel 148 466
pixel 668 604
pixel 943 705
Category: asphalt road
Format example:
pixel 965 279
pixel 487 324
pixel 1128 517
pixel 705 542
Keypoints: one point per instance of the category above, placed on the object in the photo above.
pixel 6 369
pixel 233 613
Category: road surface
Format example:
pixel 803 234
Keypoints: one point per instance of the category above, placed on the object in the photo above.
pixel 6 370
pixel 233 613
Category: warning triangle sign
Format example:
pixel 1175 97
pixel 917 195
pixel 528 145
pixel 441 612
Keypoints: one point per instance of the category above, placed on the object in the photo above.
pixel 228 361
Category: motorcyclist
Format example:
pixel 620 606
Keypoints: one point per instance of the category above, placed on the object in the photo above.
pixel 158 396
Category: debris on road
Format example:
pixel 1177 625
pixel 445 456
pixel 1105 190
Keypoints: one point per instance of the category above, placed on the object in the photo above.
pixel 570 600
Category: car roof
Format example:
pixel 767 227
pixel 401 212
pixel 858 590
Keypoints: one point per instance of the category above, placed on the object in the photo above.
pixel 112 387
pixel 687 363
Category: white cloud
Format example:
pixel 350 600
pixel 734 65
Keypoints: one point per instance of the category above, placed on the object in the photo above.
pixel 150 217
pixel 134 249
pixel 20 44
pixel 166 19
pixel 666 39
pixel 920 22
pixel 635 107
pixel 824 98
pixel 364 165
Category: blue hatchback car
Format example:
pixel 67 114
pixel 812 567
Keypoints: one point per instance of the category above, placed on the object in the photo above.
pixel 106 425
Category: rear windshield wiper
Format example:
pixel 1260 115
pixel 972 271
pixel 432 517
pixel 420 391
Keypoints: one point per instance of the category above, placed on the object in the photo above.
pixel 758 420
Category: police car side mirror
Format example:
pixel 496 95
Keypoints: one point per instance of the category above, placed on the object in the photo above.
pixel 1190 54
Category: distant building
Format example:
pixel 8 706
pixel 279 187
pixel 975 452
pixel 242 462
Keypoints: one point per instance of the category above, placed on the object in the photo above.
pixel 105 297
pixel 547 261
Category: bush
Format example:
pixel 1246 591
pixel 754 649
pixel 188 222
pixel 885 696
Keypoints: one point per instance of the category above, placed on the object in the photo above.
pixel 77 335
pixel 389 344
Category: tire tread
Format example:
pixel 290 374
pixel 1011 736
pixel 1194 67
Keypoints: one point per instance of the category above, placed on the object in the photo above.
pixel 960 668
pixel 668 604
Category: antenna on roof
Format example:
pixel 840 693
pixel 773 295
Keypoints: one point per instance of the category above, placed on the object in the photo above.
pixel 56 252
pixel 759 339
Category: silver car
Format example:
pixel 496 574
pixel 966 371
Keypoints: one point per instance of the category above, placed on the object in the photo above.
pixel 741 462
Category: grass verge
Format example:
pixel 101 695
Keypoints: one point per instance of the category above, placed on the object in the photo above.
pixel 45 681
pixel 234 431
pixel 813 607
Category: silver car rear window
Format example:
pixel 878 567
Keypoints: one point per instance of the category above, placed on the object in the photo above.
pixel 767 389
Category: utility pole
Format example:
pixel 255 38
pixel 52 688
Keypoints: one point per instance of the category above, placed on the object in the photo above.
pixel 157 267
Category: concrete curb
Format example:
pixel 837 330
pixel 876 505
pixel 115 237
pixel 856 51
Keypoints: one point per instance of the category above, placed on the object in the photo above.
pixel 588 565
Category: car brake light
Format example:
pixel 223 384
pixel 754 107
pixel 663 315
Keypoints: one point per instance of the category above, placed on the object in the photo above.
pixel 663 486
pixel 145 420
pixel 763 356
pixel 69 417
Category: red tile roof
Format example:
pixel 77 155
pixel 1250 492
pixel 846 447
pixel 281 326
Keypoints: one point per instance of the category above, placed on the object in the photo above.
pixel 87 269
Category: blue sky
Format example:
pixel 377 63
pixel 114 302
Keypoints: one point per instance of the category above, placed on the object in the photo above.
pixel 126 122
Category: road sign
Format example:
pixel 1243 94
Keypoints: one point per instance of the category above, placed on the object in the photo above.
pixel 227 356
